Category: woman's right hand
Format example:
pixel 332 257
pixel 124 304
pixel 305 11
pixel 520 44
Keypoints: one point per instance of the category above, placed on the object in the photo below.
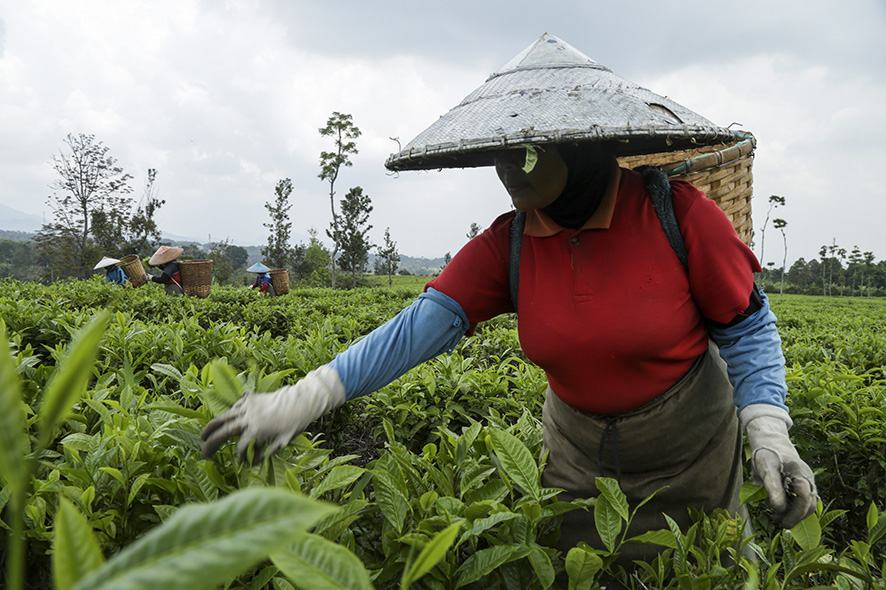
pixel 271 420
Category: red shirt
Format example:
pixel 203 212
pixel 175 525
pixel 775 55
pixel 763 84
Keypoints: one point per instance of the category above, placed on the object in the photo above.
pixel 608 311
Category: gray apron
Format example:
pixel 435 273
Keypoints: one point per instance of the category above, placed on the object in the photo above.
pixel 687 441
pixel 173 288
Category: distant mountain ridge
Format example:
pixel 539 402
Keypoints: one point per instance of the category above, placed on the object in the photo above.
pixel 14 220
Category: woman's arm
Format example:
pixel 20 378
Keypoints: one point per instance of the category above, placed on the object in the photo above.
pixel 430 326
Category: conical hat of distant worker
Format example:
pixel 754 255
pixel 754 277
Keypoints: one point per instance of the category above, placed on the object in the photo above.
pixel 552 93
pixel 258 267
pixel 105 262
pixel 165 254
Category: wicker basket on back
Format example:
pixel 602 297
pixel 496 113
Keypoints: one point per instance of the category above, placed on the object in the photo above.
pixel 723 172
pixel 280 280
pixel 196 277
pixel 133 269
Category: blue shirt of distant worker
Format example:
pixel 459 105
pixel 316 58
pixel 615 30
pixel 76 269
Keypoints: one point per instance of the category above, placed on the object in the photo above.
pixel 115 275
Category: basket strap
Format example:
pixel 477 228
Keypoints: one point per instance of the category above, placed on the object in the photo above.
pixel 517 225
pixel 659 188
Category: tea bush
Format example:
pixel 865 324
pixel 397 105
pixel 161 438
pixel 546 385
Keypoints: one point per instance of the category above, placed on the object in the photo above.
pixel 435 478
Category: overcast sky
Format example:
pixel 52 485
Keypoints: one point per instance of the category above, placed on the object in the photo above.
pixel 225 99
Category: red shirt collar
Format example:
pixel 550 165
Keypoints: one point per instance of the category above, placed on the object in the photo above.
pixel 540 225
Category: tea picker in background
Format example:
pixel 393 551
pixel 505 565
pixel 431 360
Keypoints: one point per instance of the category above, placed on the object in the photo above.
pixel 658 357
pixel 262 279
pixel 165 259
pixel 113 272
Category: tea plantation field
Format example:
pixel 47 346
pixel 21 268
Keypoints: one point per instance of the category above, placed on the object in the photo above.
pixel 432 482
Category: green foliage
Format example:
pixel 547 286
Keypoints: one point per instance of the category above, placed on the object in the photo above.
pixel 388 260
pixel 436 477
pixel 279 253
pixel 351 231
pixel 202 546
pixel 92 189
pixel 340 127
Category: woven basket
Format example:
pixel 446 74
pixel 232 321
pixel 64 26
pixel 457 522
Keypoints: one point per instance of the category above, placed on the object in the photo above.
pixel 133 268
pixel 280 280
pixel 196 277
pixel 723 172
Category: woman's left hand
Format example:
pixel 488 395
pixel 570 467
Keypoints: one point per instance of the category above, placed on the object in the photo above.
pixel 778 467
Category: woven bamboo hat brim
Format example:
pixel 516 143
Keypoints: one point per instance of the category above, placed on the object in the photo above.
pixel 553 93
pixel 165 254
pixel 258 267
pixel 104 262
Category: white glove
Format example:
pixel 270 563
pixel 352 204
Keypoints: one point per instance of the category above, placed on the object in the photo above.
pixel 275 418
pixel 776 464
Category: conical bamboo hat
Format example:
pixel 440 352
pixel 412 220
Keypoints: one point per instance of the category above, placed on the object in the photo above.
pixel 553 93
pixel 104 262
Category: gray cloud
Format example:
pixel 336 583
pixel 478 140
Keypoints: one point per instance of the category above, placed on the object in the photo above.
pixel 225 99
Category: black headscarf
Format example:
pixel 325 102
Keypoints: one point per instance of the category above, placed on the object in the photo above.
pixel 589 166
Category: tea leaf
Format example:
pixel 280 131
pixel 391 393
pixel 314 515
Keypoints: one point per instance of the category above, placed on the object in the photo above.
pixel 751 493
pixel 871 516
pixel 665 538
pixel 228 387
pixel 431 555
pixel 204 545
pixel 486 560
pixel 612 492
pixel 608 522
pixel 167 370
pixel 541 564
pixel 582 566
pixel 75 547
pixel 13 438
pixel 391 499
pixel 517 461
pixel 807 532
pixel 316 563
pixel 338 477
pixel 72 376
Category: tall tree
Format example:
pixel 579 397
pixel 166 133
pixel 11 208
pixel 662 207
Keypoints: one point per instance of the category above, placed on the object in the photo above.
pixel 278 253
pixel 237 255
pixel 868 261
pixel 823 254
pixel 109 229
pixel 774 201
pixel 388 260
pixel 222 269
pixel 780 224
pixel 351 235
pixel 89 181
pixel 340 127
pixel 314 268
pixel 475 230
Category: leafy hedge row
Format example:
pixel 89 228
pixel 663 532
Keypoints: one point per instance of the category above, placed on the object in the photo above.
pixel 435 476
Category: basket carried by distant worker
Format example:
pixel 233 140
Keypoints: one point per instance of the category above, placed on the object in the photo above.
pixel 135 271
pixel 723 172
pixel 280 280
pixel 196 277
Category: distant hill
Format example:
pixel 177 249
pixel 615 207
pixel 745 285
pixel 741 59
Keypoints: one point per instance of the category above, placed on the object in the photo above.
pixel 13 220
pixel 418 266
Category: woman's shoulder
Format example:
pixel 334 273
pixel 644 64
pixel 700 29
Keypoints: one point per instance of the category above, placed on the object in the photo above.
pixel 499 229
pixel 690 200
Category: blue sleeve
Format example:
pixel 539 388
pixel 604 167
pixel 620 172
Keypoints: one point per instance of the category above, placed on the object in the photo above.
pixel 432 325
pixel 754 360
